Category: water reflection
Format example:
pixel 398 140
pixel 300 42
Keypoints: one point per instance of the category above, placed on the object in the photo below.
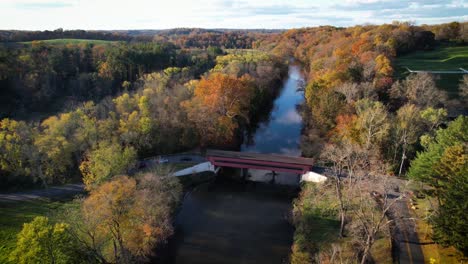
pixel 283 129
pixel 229 222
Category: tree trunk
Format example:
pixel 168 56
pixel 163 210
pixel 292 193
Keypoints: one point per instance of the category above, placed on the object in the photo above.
pixel 403 157
pixel 342 208
pixel 367 248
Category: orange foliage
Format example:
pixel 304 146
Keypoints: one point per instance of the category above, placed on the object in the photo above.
pixel 346 128
pixel 219 102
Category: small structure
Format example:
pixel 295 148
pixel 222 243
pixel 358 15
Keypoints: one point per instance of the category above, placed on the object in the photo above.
pixel 202 167
pixel 313 177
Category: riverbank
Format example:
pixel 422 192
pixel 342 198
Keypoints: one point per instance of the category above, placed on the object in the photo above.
pixel 228 220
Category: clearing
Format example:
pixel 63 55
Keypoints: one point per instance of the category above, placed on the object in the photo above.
pixel 72 41
pixel 441 58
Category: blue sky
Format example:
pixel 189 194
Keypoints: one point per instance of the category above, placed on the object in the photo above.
pixel 157 14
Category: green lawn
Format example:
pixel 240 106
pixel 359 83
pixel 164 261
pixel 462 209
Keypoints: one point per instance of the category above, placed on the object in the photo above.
pixel 441 58
pixel 14 214
pixel 72 41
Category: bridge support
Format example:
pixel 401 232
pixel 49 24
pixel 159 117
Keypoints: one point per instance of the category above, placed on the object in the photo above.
pixel 244 174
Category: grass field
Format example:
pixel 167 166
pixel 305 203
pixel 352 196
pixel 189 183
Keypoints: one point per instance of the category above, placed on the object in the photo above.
pixel 441 58
pixel 72 41
pixel 14 214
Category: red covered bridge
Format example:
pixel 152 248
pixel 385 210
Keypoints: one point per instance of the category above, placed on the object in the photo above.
pixel 245 160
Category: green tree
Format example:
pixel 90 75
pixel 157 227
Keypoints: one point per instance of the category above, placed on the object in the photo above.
pixel 407 129
pixel 15 148
pixel 105 161
pixel 41 242
pixel 433 117
pixel 443 165
pixel 451 220
pixel 422 167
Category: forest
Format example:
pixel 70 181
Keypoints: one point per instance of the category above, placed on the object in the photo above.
pixel 89 112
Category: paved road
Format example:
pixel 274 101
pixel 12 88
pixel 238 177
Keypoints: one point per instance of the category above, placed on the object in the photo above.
pixel 52 192
pixel 404 233
pixel 409 249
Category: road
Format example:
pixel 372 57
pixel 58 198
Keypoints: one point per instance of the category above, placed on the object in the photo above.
pixel 52 192
pixel 72 189
pixel 404 232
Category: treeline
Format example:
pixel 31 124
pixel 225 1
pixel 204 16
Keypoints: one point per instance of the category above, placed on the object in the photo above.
pixel 43 78
pixel 170 111
pixel 454 32
pixel 20 35
pixel 227 40
pixel 363 125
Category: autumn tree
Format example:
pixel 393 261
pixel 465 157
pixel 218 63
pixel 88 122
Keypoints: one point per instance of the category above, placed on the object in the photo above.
pixel 219 102
pixel 372 121
pixel 124 219
pixel 16 148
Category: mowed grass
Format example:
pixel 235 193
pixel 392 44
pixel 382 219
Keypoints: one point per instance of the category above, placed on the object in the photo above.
pixel 441 58
pixel 14 214
pixel 72 41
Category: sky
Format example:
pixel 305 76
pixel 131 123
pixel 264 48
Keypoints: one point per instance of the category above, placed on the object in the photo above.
pixel 158 14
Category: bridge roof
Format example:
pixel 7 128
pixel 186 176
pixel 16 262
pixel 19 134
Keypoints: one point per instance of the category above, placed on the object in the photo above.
pixel 260 157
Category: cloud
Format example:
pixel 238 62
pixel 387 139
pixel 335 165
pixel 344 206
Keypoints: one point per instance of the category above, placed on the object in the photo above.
pixel 150 14
pixel 289 118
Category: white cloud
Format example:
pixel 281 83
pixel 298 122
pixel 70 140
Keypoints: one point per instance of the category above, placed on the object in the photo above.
pixel 151 14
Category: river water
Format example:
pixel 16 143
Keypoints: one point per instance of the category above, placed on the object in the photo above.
pixel 231 222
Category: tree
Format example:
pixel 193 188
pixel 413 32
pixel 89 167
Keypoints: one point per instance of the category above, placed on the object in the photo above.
pixel 418 89
pixel 41 242
pixel 372 121
pixel 106 161
pixel 451 220
pixel 124 219
pixel 344 159
pixel 422 167
pixel 373 201
pixel 443 165
pixel 15 149
pixel 407 128
pixel 433 117
pixel 219 101
pixel 463 89
pixel 325 105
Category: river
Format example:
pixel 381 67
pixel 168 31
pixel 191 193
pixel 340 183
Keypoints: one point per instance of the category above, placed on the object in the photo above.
pixel 232 222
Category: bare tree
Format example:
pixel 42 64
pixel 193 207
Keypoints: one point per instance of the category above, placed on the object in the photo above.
pixel 419 89
pixel 344 159
pixel 373 201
